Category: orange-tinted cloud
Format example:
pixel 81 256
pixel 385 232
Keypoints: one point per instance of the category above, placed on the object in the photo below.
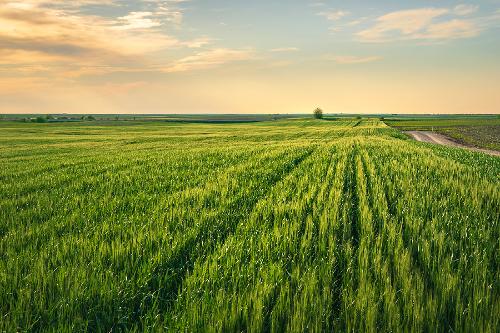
pixel 209 59
pixel 349 60
pixel 420 24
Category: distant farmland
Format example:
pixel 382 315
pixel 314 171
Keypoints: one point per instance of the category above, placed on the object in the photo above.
pixel 286 225
pixel 478 131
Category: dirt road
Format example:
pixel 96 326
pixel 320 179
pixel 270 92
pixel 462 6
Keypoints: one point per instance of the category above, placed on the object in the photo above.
pixel 440 139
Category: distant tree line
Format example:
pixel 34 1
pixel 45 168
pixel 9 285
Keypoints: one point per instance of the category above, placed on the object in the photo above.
pixel 50 118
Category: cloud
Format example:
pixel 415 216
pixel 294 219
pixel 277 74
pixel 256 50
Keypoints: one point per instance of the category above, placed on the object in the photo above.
pixel 317 4
pixel 418 24
pixel 278 64
pixel 168 11
pixel 26 4
pixel 334 15
pixel 464 10
pixel 137 20
pixel 63 40
pixel 406 22
pixel 356 22
pixel 209 59
pixel 453 29
pixel 334 30
pixel 197 42
pixel 285 49
pixel 75 36
pixel 349 60
pixel 65 32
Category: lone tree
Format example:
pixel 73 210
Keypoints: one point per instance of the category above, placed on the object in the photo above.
pixel 318 113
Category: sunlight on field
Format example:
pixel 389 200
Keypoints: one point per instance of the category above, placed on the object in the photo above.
pixel 291 225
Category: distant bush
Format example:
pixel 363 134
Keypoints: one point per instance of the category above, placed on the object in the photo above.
pixel 40 119
pixel 318 113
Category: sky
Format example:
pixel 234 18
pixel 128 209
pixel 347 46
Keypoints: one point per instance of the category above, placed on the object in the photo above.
pixel 241 56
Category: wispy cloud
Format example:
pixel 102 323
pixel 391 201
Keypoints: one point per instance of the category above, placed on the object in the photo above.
pixel 317 4
pixel 349 60
pixel 453 29
pixel 209 59
pixel 424 23
pixel 334 15
pixel 464 10
pixel 137 20
pixel 356 22
pixel 169 11
pixel 285 49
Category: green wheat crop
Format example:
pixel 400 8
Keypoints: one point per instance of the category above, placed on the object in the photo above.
pixel 292 225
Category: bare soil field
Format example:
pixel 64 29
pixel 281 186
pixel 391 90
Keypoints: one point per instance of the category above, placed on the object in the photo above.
pixel 436 138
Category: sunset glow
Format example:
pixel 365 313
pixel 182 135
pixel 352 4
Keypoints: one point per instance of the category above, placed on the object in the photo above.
pixel 191 56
